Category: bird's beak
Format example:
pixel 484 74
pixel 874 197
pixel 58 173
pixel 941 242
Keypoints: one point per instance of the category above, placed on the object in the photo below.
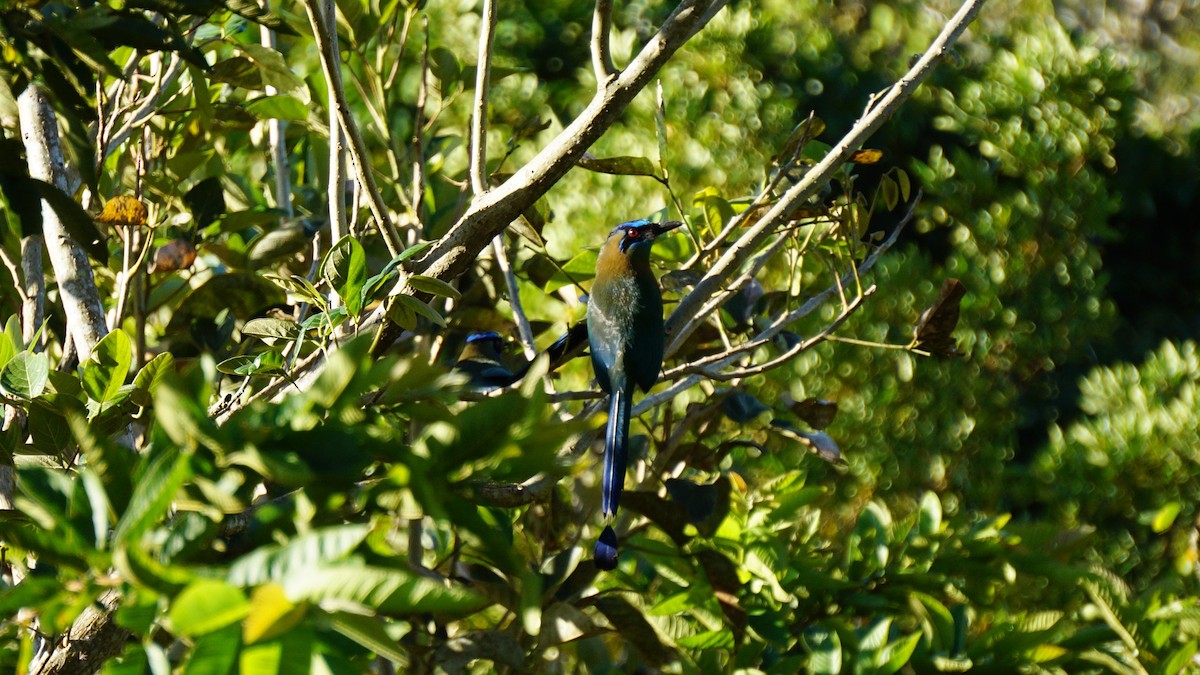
pixel 662 228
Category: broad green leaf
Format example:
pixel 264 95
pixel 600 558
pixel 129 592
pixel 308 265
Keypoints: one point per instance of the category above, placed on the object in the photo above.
pixel 433 286
pixel 445 67
pixel 712 639
pixel 47 423
pixel 106 369
pixel 271 328
pixel 368 631
pixel 896 654
pixel 278 107
pixel 77 222
pixel 345 268
pixel 207 605
pixel 393 592
pixel 9 346
pixel 156 487
pixel 214 653
pixel 148 378
pixel 419 308
pixel 274 71
pixel 579 269
pixel 25 375
pixel 271 614
pixel 139 567
pixel 634 628
pixel 206 201
pixel 295 558
pixel 825 649
pixel 411 251
pixel 292 652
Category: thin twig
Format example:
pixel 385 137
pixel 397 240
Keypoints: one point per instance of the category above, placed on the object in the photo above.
pixel 514 298
pixel 602 63
pixel 483 75
pixel 683 320
pixel 413 233
pixel 795 350
pixel 275 133
pixel 358 147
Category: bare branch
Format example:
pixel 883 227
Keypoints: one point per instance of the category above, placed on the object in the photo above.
pixel 492 211
pixel 150 104
pixel 483 75
pixel 275 138
pixel 710 365
pixel 514 298
pixel 682 323
pixel 331 65
pixel 76 285
pixel 602 63
pixel 413 232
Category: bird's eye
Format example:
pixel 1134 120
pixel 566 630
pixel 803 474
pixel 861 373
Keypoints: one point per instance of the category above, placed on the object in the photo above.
pixel 633 234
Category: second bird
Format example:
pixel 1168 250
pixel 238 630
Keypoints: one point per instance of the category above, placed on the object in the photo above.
pixel 625 332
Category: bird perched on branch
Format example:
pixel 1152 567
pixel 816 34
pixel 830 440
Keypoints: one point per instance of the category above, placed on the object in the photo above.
pixel 625 331
pixel 482 360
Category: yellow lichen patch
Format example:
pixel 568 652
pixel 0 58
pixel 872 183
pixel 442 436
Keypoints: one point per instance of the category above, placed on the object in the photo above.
pixel 123 211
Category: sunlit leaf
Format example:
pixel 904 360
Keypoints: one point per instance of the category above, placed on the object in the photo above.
pixel 207 605
pixel 25 375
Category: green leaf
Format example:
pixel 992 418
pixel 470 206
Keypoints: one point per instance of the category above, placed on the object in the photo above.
pixel 207 605
pixel 1165 516
pixel 77 222
pixel 419 308
pixel 345 268
pixel 444 66
pixel 299 556
pixel 620 166
pixel 825 649
pixel 238 71
pixel 25 375
pixel 214 653
pixel 153 493
pixel 433 286
pixel 106 369
pixel 895 655
pixel 278 107
pixel 206 201
pixel 890 191
pixel 578 269
pixel 388 591
pixel 905 185
pixel 48 426
pixel 148 378
pixel 293 652
pixel 271 328
pixel 271 614
pixel 274 71
pixel 634 628
pixel 369 632
pixel 9 346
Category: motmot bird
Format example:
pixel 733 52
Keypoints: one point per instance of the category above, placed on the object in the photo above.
pixel 625 331
pixel 482 360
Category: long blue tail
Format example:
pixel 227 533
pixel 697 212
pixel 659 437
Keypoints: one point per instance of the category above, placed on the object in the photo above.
pixel 616 445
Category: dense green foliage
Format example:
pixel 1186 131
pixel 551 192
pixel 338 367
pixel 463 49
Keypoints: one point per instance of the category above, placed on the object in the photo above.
pixel 1028 506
